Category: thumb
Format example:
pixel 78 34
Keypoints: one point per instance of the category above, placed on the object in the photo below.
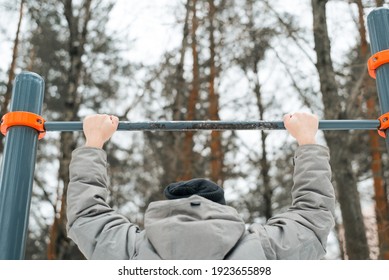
pixel 287 118
pixel 114 120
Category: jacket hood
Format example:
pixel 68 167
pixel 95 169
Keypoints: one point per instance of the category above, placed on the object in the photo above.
pixel 192 228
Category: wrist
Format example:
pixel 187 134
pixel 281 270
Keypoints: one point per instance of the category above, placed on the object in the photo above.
pixel 94 143
pixel 307 141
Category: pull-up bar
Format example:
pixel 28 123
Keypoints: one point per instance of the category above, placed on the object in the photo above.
pixel 217 125
pixel 24 125
pixel 35 121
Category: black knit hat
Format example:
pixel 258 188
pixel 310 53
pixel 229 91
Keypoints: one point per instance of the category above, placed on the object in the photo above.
pixel 201 187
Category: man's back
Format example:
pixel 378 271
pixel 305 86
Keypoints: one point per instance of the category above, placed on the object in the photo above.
pixel 196 227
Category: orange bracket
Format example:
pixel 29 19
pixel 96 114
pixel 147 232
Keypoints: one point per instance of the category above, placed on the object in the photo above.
pixel 376 61
pixel 19 118
pixel 384 124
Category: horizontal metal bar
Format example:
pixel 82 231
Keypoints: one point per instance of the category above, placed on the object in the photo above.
pixel 217 125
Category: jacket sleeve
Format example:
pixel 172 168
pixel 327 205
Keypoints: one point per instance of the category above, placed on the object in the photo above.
pixel 302 231
pixel 98 231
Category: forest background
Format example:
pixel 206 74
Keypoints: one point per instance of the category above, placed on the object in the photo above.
pixel 201 60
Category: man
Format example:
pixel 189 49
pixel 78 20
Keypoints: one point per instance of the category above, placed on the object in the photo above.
pixel 195 223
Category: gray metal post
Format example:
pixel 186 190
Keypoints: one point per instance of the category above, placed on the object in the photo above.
pixel 17 170
pixel 378 26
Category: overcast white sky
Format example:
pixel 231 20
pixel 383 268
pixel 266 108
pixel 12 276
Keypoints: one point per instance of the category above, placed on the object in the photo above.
pixel 147 22
pixel 154 21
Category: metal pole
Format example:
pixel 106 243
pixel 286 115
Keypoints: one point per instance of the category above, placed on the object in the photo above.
pixel 378 26
pixel 217 125
pixel 17 170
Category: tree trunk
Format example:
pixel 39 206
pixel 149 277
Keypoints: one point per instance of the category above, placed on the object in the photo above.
pixel 11 72
pixel 379 3
pixel 380 197
pixel 264 164
pixel 180 80
pixel 216 145
pixel 177 158
pixel 346 183
pixel 193 98
pixel 59 245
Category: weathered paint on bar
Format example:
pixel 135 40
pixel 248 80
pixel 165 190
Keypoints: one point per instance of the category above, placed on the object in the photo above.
pixel 216 125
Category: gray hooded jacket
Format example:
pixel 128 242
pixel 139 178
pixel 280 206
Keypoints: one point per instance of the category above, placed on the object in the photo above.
pixel 195 227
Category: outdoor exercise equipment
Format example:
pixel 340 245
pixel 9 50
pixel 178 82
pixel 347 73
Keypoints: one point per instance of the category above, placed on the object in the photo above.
pixel 23 126
pixel 41 126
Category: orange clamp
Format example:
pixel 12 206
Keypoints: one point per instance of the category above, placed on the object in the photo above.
pixel 376 61
pixel 19 118
pixel 384 124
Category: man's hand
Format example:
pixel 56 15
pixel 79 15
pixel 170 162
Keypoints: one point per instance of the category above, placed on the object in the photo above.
pixel 302 126
pixel 98 129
